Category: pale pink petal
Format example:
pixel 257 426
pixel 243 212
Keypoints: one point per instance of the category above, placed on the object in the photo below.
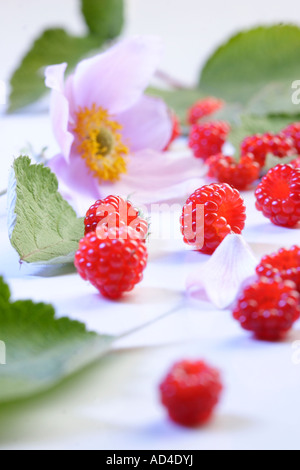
pixel 220 279
pixel 147 125
pixel 76 184
pixel 116 78
pixel 155 177
pixel 59 107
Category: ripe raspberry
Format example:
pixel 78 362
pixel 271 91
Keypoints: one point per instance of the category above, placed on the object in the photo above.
pixel 113 265
pixel 114 211
pixel 280 145
pixel 295 163
pixel 293 131
pixel 284 263
pixel 278 196
pixel 203 108
pixel 190 392
pixel 207 139
pixel 224 213
pixel 226 170
pixel 260 145
pixel 176 131
pixel 269 308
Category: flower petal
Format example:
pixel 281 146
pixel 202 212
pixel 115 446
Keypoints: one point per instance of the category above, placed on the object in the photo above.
pixel 221 278
pixel 155 177
pixel 59 107
pixel 147 125
pixel 116 78
pixel 76 184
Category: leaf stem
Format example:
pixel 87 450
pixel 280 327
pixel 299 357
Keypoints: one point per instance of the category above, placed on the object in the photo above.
pixel 172 82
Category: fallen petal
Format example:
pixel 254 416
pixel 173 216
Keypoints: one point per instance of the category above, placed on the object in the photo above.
pixel 221 278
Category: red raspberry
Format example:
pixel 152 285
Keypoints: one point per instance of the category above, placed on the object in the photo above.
pixel 280 145
pixel 203 108
pixel 295 163
pixel 269 308
pixel 224 213
pixel 260 145
pixel 226 170
pixel 114 211
pixel 190 392
pixel 176 131
pixel 293 131
pixel 207 139
pixel 278 196
pixel 284 263
pixel 113 265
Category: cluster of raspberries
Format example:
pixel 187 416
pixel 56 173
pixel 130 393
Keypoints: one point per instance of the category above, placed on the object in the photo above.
pixel 113 254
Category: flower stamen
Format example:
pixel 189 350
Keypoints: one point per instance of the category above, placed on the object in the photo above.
pixel 99 143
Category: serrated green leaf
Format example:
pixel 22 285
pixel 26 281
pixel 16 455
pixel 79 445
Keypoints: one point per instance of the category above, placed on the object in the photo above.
pixel 104 18
pixel 41 350
pixel 251 125
pixel 53 47
pixel 251 60
pixel 44 228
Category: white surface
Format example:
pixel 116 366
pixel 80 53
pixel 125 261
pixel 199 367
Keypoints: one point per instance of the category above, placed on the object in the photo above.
pixel 114 404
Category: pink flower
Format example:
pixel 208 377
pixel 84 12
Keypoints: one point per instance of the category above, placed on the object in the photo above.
pixel 109 132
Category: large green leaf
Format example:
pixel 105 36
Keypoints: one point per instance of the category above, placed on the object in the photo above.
pixel 53 47
pixel 253 60
pixel 43 227
pixel 104 17
pixel 41 350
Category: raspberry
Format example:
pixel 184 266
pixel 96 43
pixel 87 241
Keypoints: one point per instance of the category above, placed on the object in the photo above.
pixel 176 132
pixel 226 170
pixel 114 211
pixel 203 108
pixel 269 308
pixel 224 213
pixel 278 196
pixel 113 265
pixel 295 163
pixel 260 145
pixel 280 145
pixel 293 131
pixel 190 392
pixel 284 263
pixel 208 139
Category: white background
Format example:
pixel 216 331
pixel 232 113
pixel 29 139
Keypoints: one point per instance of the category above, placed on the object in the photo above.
pixel 191 29
pixel 114 404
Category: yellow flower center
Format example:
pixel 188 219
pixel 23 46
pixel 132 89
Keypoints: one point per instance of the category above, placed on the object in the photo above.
pixel 99 142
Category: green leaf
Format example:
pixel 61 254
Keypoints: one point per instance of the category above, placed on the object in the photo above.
pixel 178 100
pixel 53 47
pixel 43 227
pixel 104 18
pixel 251 125
pixel 41 350
pixel 246 64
